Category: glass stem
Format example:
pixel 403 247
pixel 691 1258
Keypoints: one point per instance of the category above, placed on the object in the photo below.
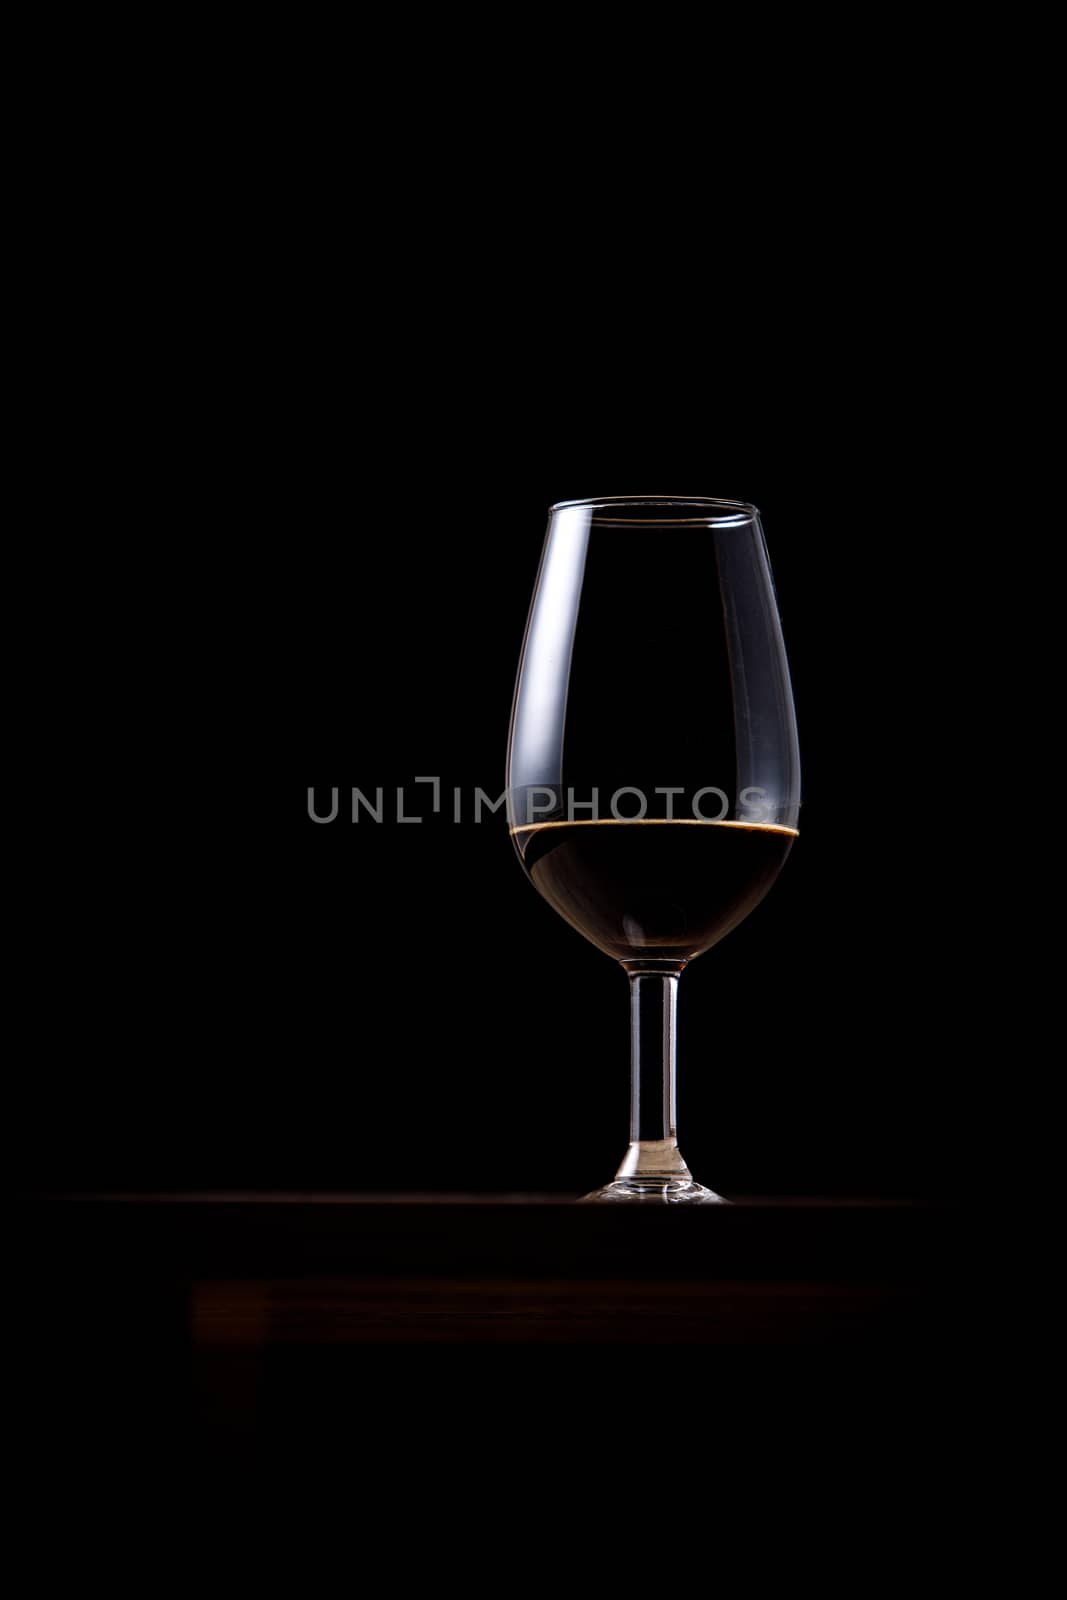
pixel 653 1152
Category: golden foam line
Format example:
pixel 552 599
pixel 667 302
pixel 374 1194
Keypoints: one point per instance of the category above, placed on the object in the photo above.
pixel 673 822
pixel 669 522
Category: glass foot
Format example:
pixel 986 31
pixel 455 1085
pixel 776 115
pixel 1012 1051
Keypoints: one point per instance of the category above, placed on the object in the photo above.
pixel 652 1191
pixel 654 1173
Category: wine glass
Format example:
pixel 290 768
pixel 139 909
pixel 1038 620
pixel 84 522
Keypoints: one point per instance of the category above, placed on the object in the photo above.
pixel 653 776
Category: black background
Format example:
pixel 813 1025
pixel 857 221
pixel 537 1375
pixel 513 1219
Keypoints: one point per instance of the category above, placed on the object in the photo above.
pixel 334 592
pixel 298 403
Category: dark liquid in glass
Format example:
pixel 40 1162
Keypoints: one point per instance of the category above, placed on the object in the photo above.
pixel 664 890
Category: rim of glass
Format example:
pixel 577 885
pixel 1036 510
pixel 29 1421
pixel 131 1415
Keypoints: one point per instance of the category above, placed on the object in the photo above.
pixel 695 508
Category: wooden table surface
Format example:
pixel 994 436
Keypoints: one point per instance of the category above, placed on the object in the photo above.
pixel 223 1310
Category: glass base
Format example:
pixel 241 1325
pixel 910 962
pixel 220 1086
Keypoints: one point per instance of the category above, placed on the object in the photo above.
pixel 652 1191
pixel 654 1173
